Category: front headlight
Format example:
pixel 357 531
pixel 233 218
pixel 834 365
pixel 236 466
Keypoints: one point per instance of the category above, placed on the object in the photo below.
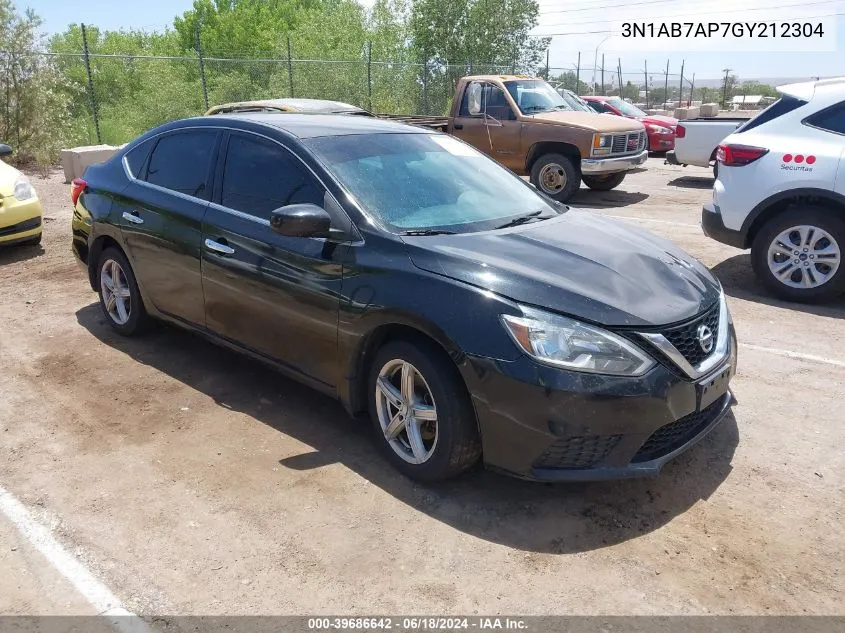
pixel 563 342
pixel 658 129
pixel 23 190
pixel 602 144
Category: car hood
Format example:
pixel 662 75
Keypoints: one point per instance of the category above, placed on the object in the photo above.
pixel 8 176
pixel 588 121
pixel 665 121
pixel 580 264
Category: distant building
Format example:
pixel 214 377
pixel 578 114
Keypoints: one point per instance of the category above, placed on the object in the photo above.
pixel 750 102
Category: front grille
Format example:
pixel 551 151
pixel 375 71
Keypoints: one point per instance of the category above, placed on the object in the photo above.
pixel 627 143
pixel 26 225
pixel 685 337
pixel 577 452
pixel 667 438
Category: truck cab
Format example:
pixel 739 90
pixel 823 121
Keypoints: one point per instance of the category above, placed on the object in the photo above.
pixel 525 124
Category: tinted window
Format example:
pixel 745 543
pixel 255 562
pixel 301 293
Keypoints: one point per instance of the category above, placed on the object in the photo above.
pixel 778 108
pixel 600 107
pixel 181 162
pixel 260 177
pixel 832 119
pixel 137 156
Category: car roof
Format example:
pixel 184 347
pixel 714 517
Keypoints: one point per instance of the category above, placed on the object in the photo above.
pixel 314 125
pixel 288 105
pixel 807 89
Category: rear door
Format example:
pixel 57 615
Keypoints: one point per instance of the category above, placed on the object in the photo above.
pixel 161 214
pixel 832 121
pixel 275 295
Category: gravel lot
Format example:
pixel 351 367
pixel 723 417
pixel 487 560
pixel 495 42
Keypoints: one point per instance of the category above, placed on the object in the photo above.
pixel 189 480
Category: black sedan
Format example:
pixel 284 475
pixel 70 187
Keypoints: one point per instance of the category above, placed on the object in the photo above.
pixel 413 278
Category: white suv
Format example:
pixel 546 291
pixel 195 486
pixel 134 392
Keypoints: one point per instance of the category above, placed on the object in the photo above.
pixel 781 192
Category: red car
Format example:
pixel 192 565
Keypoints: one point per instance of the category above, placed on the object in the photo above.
pixel 660 129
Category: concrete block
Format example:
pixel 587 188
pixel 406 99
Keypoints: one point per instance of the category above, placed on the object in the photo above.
pixel 657 112
pixel 710 110
pixel 75 160
pixel 686 113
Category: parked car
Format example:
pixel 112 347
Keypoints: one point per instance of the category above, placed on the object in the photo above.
pixel 405 273
pixel 696 141
pixel 781 192
pixel 313 106
pixel 20 208
pixel 660 129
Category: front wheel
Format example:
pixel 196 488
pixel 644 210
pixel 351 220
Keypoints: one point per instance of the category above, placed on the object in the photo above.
pixel 797 255
pixel 421 412
pixel 604 183
pixel 556 176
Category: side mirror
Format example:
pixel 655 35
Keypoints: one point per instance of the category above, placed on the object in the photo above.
pixel 301 220
pixel 5 150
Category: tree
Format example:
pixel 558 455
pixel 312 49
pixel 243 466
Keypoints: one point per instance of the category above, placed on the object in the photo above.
pixel 570 81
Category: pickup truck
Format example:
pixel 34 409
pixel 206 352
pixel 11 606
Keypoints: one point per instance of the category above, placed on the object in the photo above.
pixel 525 124
pixel 696 141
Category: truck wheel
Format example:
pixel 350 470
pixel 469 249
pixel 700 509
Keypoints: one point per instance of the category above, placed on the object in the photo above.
pixel 797 255
pixel 604 183
pixel 555 176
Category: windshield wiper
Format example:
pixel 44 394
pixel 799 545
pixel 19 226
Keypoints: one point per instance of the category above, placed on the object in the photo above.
pixel 520 220
pixel 427 232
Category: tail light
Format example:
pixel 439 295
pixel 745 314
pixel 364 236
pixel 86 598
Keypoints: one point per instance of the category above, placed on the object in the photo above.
pixel 76 188
pixel 739 155
pixel 680 131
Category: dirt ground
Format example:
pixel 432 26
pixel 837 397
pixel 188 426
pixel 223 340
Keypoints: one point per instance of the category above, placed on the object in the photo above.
pixel 190 480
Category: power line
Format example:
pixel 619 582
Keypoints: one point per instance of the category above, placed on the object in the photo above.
pixel 607 6
pixel 678 15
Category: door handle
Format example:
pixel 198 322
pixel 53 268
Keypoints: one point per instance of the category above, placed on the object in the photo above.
pixel 131 217
pixel 459 126
pixel 217 247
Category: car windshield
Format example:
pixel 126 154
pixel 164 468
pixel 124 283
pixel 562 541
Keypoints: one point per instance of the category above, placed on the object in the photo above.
pixel 535 95
pixel 428 183
pixel 626 108
pixel 576 102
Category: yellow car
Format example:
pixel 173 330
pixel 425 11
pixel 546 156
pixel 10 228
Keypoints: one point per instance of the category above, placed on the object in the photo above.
pixel 20 208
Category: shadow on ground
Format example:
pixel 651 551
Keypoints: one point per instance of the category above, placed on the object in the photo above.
pixel 588 199
pixel 528 516
pixel 692 182
pixel 19 253
pixel 739 281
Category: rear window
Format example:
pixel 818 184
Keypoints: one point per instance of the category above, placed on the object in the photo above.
pixel 780 107
pixel 137 156
pixel 181 162
pixel 832 119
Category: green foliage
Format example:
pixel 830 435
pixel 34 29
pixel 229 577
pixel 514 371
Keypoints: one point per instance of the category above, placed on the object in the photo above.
pixel 570 81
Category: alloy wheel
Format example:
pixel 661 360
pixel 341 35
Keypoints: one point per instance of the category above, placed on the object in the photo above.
pixel 115 291
pixel 804 256
pixel 406 411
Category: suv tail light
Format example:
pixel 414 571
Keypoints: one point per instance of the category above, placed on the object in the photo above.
pixel 680 131
pixel 76 188
pixel 739 155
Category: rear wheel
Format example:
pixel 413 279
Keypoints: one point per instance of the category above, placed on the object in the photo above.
pixel 604 183
pixel 120 298
pixel 797 255
pixel 556 176
pixel 421 412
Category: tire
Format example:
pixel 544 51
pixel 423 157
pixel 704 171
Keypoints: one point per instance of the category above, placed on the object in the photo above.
pixel 604 183
pixel 828 234
pixel 556 176
pixel 444 450
pixel 133 306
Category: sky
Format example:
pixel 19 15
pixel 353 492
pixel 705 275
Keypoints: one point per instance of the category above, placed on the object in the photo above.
pixel 583 25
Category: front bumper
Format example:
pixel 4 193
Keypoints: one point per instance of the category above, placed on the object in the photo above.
pixel 19 221
pixel 547 424
pixel 714 227
pixel 612 165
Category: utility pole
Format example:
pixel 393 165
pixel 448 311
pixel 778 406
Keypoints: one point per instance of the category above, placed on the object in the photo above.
pixel 369 76
pixel 90 84
pixel 727 72
pixel 666 86
pixel 547 64
pixel 681 87
pixel 620 77
pixel 645 76
pixel 577 88
pixel 692 92
pixel 603 91
pixel 290 68
pixel 198 45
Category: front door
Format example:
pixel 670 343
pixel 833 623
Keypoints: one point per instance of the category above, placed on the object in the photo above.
pixel 503 127
pixel 161 213
pixel 469 125
pixel 275 295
